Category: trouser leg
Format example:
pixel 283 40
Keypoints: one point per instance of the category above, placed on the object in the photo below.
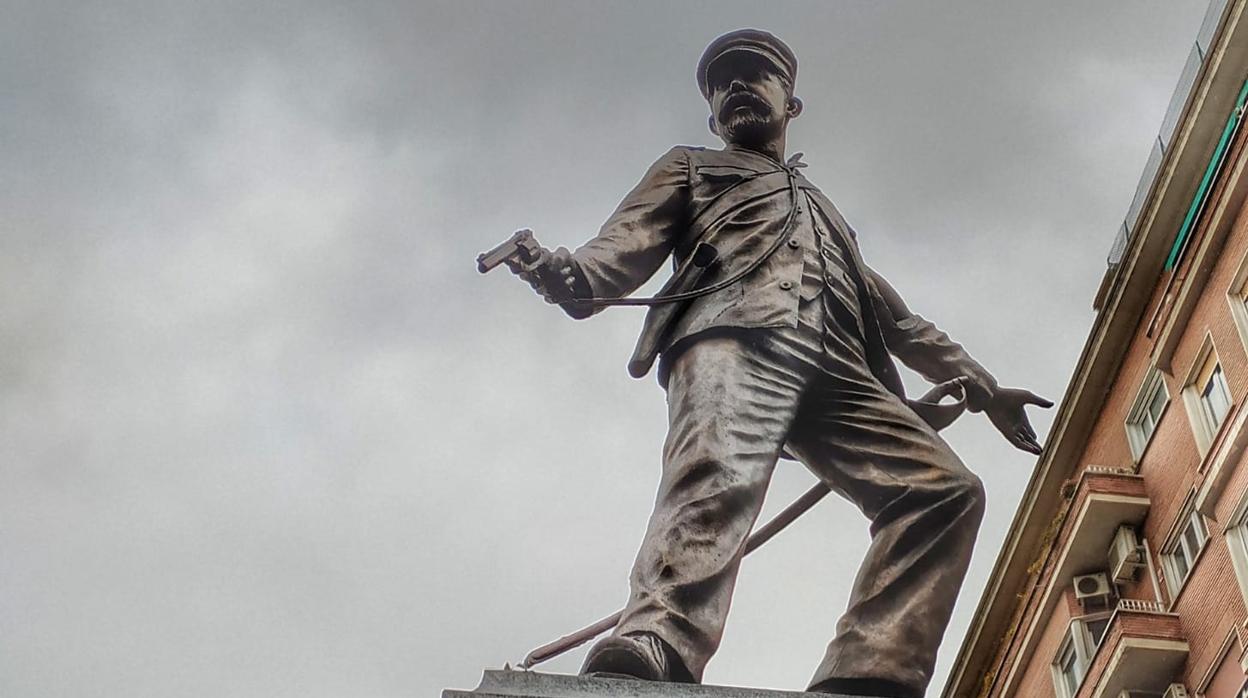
pixel 731 400
pixel 925 509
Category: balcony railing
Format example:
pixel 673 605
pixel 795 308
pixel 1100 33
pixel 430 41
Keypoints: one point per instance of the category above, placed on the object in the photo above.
pixel 1140 606
pixel 1161 144
pixel 1143 649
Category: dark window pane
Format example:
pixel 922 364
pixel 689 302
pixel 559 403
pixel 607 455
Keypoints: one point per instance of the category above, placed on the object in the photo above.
pixel 1096 630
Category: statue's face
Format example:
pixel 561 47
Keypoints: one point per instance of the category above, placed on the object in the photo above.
pixel 750 102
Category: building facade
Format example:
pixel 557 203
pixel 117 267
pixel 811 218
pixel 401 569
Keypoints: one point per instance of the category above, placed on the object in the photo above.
pixel 1125 573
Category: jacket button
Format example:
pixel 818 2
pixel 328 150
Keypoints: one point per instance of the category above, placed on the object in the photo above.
pixel 786 285
pixel 794 243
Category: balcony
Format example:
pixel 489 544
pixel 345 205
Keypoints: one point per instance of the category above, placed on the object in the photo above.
pixel 1143 650
pixel 1104 499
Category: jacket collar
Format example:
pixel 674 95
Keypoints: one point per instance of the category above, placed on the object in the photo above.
pixel 763 161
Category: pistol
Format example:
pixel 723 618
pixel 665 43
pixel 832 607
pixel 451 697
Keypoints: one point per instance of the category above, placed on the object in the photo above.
pixel 521 246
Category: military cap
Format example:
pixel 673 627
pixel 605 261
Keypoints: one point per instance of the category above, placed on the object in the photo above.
pixel 754 41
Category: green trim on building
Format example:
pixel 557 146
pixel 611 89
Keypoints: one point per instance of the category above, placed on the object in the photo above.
pixel 1206 183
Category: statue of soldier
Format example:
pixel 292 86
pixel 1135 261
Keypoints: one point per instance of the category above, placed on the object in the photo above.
pixel 774 337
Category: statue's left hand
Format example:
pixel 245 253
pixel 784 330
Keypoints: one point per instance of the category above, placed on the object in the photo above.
pixel 936 413
pixel 1006 410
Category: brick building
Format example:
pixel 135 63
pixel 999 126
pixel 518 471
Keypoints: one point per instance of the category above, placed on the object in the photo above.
pixel 1125 573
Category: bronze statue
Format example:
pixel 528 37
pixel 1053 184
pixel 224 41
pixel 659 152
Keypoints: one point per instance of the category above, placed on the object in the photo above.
pixel 773 337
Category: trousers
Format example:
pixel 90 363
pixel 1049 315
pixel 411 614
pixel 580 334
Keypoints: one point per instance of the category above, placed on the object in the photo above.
pixel 734 402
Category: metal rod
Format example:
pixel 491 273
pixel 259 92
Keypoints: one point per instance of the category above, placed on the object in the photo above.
pixel 756 540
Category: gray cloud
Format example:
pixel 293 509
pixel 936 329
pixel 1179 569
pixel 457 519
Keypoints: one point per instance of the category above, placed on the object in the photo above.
pixel 265 431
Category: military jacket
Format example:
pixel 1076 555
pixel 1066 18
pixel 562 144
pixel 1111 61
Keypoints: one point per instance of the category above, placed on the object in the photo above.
pixel 739 201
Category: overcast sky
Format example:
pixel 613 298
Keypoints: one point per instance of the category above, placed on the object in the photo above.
pixel 264 430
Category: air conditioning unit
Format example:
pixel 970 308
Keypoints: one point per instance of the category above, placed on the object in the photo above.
pixel 1126 555
pixel 1093 588
pixel 1176 690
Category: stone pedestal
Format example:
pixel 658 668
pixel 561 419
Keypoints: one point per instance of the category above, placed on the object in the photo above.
pixel 531 684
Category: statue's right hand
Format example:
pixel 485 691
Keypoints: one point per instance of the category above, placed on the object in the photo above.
pixel 551 273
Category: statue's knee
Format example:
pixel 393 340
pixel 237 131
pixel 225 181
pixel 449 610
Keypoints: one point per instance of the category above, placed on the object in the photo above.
pixel 963 487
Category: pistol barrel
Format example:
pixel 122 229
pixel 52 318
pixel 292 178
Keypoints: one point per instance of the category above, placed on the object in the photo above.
pixel 515 246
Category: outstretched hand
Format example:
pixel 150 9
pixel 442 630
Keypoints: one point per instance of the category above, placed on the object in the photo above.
pixel 1006 410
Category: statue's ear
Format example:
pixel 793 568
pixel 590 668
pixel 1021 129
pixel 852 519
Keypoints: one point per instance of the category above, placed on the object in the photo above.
pixel 710 123
pixel 794 107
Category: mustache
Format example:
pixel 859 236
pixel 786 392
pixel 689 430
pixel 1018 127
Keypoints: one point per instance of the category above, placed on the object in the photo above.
pixel 743 98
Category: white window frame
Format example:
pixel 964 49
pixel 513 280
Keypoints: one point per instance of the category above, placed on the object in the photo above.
pixel 1205 424
pixel 1065 683
pixel 1079 639
pixel 1214 410
pixel 1237 296
pixel 1141 423
pixel 1178 547
pixel 1236 535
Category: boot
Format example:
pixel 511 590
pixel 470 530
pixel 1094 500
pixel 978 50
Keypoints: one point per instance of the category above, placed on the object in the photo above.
pixel 634 656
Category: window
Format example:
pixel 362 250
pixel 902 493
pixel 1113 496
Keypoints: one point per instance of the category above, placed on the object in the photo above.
pixel 1237 542
pixel 1207 396
pixel 1215 397
pixel 1146 412
pixel 1068 670
pixel 1180 555
pixel 1075 655
pixel 1096 630
pixel 1237 296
